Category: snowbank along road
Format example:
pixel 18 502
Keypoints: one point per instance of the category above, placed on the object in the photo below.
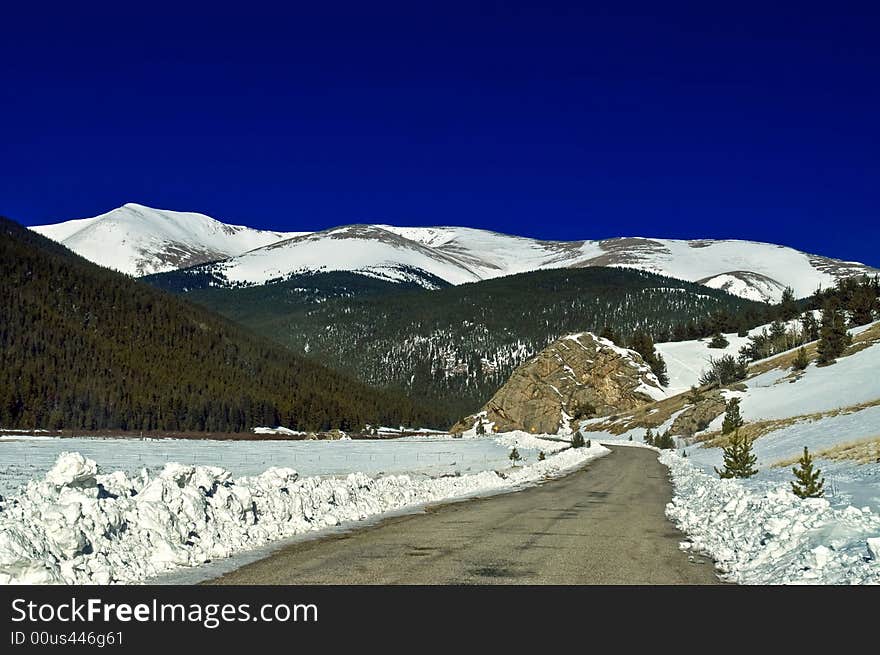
pixel 604 524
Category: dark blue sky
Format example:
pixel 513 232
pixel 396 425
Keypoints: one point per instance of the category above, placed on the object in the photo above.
pixel 586 120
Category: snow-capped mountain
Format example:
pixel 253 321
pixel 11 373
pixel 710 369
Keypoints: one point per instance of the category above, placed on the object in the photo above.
pixel 140 240
pixel 758 271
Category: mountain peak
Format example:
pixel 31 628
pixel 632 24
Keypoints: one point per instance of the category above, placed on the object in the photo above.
pixel 141 240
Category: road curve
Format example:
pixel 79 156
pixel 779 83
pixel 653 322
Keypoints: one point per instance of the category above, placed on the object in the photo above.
pixel 604 524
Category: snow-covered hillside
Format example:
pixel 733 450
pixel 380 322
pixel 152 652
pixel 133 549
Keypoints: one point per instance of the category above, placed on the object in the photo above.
pixel 756 529
pixel 361 248
pixel 139 240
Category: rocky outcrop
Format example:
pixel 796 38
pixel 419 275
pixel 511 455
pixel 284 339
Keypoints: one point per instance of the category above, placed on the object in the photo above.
pixel 575 377
pixel 698 416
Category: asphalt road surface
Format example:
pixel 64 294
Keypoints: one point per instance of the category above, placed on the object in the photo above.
pixel 604 524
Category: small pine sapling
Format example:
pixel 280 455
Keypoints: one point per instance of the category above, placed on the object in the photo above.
pixel 801 361
pixel 807 483
pixel 739 460
pixel 732 418
pixel 514 456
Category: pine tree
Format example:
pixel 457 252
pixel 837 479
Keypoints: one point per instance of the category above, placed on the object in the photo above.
pixel 649 437
pixel 788 308
pixel 577 440
pixel 732 418
pixel 801 361
pixel 861 303
pixel 658 368
pixel 643 344
pixel 664 441
pixel 833 337
pixel 809 327
pixel 514 456
pixel 541 456
pixel 608 333
pixel 718 341
pixel 739 461
pixel 807 484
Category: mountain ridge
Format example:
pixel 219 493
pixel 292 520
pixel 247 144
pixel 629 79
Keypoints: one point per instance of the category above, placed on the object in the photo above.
pixel 138 240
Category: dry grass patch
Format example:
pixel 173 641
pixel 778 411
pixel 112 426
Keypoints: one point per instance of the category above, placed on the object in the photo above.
pixel 647 416
pixel 863 451
pixel 866 339
pixel 752 431
pixel 758 429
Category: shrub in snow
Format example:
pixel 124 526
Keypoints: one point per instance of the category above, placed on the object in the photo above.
pixel 739 460
pixel 807 482
pixel 718 341
pixel 724 370
pixel 801 360
pixel 577 440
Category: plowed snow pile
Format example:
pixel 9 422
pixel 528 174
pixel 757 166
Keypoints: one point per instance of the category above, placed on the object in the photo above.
pixel 79 526
pixel 767 535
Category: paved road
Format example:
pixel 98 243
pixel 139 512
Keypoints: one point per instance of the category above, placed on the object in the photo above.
pixel 601 525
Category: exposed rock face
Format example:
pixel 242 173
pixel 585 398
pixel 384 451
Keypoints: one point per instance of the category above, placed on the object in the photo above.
pixel 698 416
pixel 576 376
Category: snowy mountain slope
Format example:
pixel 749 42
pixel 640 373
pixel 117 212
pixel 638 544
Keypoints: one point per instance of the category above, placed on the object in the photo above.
pixel 140 240
pixel 366 249
pixel 756 271
pixel 746 284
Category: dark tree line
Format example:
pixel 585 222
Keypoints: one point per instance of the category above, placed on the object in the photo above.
pixel 82 347
pixel 456 346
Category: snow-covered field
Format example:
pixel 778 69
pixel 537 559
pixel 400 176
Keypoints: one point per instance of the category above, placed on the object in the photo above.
pixel 75 524
pixel 27 458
